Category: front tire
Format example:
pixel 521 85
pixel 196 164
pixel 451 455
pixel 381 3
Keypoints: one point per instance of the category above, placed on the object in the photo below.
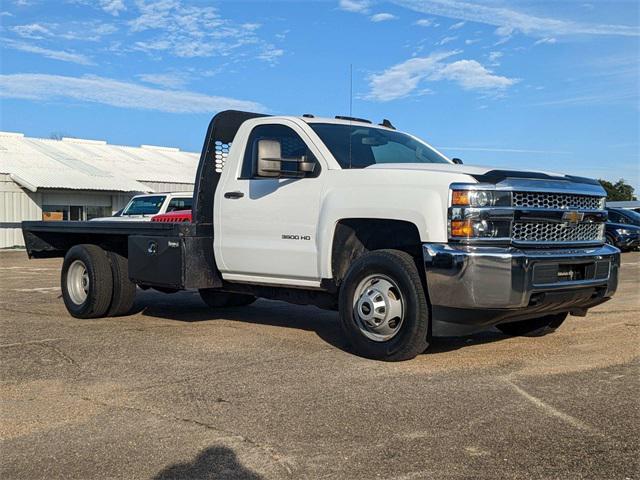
pixel 534 327
pixel 383 307
pixel 87 281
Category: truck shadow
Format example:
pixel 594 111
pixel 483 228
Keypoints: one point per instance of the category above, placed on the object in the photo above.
pixel 212 463
pixel 187 307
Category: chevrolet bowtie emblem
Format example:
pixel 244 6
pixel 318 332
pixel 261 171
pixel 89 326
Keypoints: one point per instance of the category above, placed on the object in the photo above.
pixel 572 218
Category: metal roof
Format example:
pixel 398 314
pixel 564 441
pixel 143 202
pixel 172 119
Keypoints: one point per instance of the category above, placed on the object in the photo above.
pixel 79 164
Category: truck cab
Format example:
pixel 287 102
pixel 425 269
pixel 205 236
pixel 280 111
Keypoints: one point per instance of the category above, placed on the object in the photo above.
pixel 142 208
pixel 359 217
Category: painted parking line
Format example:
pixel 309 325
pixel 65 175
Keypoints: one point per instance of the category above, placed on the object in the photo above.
pixel 36 289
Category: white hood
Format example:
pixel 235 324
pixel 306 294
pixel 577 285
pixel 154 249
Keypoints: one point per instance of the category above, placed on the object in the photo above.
pixel 454 168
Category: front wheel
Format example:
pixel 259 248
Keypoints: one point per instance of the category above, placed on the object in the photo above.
pixel 533 327
pixel 383 307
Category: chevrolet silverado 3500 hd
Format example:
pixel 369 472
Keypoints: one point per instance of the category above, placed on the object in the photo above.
pixel 345 214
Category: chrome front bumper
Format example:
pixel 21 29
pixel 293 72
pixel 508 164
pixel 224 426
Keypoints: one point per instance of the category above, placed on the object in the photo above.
pixel 520 281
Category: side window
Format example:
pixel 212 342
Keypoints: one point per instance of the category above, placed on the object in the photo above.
pixel 179 204
pixel 292 148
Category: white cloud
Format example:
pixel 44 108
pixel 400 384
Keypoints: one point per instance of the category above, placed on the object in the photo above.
pixel 188 31
pixel 510 18
pixel 168 80
pixel 504 31
pixel 61 55
pixel 505 150
pixel 471 41
pixel 382 17
pixel 115 93
pixel 548 40
pixel 113 7
pixel 471 75
pixel 503 40
pixel 424 22
pixel 494 57
pixel 77 30
pixel 355 6
pixel 404 78
pixel 271 54
pixel 446 40
pixel 457 26
pixel 34 31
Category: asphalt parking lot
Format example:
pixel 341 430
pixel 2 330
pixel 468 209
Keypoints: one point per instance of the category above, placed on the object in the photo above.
pixel 270 391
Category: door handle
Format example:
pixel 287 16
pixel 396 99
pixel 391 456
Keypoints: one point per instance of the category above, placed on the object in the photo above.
pixel 233 195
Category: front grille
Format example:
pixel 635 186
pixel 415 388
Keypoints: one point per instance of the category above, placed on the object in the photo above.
pixel 556 201
pixel 557 232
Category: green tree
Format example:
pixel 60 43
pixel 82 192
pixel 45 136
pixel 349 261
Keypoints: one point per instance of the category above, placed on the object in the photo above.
pixel 619 191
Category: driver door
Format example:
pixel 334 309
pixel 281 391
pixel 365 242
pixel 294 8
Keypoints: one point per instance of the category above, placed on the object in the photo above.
pixel 269 228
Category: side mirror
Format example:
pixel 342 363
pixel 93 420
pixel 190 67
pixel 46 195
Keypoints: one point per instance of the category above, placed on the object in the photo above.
pixel 457 161
pixel 305 166
pixel 270 162
pixel 269 158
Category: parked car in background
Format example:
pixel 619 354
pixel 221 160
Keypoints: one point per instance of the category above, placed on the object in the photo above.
pixel 177 216
pixel 142 208
pixel 623 228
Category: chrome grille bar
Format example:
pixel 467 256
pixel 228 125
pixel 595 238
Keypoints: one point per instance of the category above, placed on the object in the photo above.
pixel 560 201
pixel 556 232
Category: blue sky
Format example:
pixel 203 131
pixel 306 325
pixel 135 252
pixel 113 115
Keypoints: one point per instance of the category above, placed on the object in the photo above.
pixel 532 84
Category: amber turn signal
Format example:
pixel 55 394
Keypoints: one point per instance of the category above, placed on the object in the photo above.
pixel 462 228
pixel 460 198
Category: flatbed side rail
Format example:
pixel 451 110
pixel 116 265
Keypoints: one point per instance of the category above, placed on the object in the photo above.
pixel 53 239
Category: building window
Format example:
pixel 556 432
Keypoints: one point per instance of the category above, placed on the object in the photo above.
pixel 96 212
pixel 55 212
pixel 73 212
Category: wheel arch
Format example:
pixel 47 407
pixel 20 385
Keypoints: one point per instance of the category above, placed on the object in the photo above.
pixel 353 237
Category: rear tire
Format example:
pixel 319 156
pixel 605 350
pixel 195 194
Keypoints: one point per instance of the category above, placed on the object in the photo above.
pixel 383 307
pixel 87 281
pixel 124 290
pixel 216 299
pixel 534 327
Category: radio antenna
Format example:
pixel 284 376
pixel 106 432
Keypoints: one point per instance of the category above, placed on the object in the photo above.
pixel 350 108
pixel 351 89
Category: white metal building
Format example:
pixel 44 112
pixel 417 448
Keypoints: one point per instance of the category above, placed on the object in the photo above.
pixel 80 179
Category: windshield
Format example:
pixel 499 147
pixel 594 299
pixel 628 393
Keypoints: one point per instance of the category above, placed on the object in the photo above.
pixel 145 205
pixel 357 146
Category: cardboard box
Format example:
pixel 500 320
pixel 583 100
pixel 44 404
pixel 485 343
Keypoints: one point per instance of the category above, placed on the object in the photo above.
pixel 52 216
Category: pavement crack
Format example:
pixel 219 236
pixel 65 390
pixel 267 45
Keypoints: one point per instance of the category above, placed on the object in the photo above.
pixel 64 356
pixel 221 433
pixel 552 411
pixel 31 342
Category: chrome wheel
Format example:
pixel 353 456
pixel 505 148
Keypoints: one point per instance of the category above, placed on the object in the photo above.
pixel 78 282
pixel 378 308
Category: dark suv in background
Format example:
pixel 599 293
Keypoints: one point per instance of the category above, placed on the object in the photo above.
pixel 623 228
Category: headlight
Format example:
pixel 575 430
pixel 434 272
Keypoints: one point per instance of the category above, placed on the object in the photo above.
pixel 480 198
pixel 479 228
pixel 623 231
pixel 475 214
